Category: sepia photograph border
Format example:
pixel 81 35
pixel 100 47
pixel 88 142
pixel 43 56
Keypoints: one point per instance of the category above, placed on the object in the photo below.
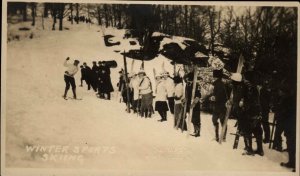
pixel 37 171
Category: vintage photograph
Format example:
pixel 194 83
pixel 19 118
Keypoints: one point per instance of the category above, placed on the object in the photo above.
pixel 143 87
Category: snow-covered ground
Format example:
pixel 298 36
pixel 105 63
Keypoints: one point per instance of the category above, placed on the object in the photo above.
pixel 99 134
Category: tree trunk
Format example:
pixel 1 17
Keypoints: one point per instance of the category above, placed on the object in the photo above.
pixel 77 13
pixel 24 12
pixel 61 15
pixel 99 15
pixel 71 9
pixel 54 21
pixel 186 19
pixel 33 13
pixel 106 15
pixel 46 8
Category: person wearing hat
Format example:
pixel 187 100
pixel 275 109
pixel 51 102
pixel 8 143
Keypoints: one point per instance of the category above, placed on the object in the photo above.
pixel 170 90
pixel 238 90
pixel 94 76
pixel 265 99
pixel 83 75
pixel 145 90
pixel 219 98
pixel 179 96
pixel 88 73
pixel 72 69
pixel 134 85
pixel 195 103
pixel 99 80
pixel 288 108
pixel 252 113
pixel 105 81
pixel 161 98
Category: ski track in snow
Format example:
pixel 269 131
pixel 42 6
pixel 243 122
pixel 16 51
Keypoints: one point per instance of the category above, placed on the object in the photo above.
pixel 38 115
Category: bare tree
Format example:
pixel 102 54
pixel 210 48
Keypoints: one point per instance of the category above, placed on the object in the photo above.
pixel 33 12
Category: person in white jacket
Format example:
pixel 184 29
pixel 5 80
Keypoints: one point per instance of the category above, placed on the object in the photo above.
pixel 72 69
pixel 161 98
pixel 170 90
pixel 134 86
pixel 179 97
pixel 145 90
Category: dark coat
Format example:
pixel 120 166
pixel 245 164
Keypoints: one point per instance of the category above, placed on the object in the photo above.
pixel 251 101
pixel 265 98
pixel 105 84
pixel 221 95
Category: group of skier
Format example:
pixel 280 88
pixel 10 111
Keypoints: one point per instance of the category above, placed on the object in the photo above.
pixel 97 78
pixel 251 101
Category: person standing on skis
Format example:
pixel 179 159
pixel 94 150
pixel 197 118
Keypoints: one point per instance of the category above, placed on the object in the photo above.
pixel 72 69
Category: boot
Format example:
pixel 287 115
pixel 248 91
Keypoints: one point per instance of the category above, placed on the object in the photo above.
pixel 217 132
pixel 249 150
pixel 224 137
pixel 65 94
pixel 259 150
pixel 198 131
pixel 74 93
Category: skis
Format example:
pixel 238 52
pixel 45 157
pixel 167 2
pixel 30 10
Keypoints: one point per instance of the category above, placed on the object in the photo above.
pixel 71 98
pixel 183 114
pixel 224 126
pixel 126 84
pixel 190 114
pixel 272 132
pixel 237 138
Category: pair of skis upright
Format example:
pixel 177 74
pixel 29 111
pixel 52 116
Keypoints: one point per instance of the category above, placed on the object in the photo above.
pixel 184 114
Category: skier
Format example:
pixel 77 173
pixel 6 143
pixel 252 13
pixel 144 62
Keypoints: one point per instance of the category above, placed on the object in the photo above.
pixel 100 77
pixel 94 73
pixel 265 97
pixel 238 89
pixel 179 97
pixel 170 90
pixel 252 113
pixel 145 90
pixel 121 83
pixel 83 75
pixel 279 114
pixel 108 88
pixel 161 98
pixel 134 85
pixel 288 91
pixel 88 73
pixel 220 97
pixel 72 69
pixel 195 103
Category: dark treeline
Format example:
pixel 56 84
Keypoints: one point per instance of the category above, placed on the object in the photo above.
pixel 265 36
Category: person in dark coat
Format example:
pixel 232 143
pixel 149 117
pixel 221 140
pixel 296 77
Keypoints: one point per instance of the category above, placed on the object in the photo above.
pixel 107 81
pixel 195 103
pixel 100 77
pixel 265 97
pixel 94 73
pixel 252 111
pixel 83 75
pixel 238 89
pixel 288 91
pixel 220 97
pixel 88 72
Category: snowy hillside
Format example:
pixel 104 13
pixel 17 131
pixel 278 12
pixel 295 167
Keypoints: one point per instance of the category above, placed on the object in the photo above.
pixel 110 138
